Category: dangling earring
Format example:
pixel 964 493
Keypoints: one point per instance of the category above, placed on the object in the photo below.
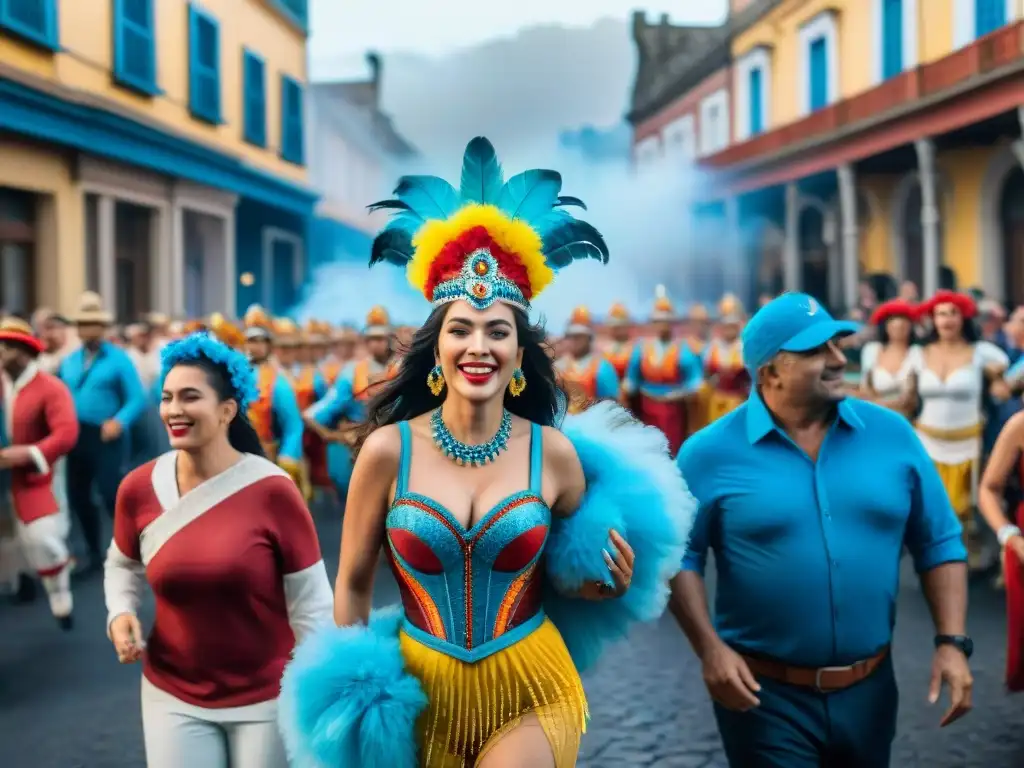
pixel 518 383
pixel 435 381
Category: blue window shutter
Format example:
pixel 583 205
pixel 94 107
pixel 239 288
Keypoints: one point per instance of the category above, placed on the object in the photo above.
pixel 818 76
pixel 292 137
pixel 35 21
pixel 756 101
pixel 254 95
pixel 892 38
pixel 989 15
pixel 204 66
pixel 135 45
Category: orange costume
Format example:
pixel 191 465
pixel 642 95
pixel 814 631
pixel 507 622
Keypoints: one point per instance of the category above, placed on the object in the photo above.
pixel 590 377
pixel 618 353
pixel 723 365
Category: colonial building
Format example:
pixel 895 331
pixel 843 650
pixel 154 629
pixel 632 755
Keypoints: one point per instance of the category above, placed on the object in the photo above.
pixel 356 156
pixel 681 111
pixel 152 150
pixel 875 136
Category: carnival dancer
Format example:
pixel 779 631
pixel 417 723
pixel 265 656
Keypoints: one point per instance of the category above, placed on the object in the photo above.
pixel 342 352
pixel 275 414
pixel 807 499
pixel 664 376
pixel 227 545
pixel 587 377
pixel 310 387
pixel 337 416
pixel 697 335
pixel 953 370
pixel 39 429
pixel 727 376
pixel 890 363
pixel 619 349
pixel 108 399
pixel 490 662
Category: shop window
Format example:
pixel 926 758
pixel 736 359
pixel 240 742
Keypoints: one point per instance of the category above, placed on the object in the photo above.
pixel 292 136
pixel 204 66
pixel 254 97
pixel 135 45
pixel 31 20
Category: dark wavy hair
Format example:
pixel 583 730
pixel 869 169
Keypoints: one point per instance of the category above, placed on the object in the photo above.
pixel 241 433
pixel 971 332
pixel 407 396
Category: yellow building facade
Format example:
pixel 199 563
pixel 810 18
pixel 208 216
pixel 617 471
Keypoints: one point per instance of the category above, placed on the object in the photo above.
pixel 879 136
pixel 154 151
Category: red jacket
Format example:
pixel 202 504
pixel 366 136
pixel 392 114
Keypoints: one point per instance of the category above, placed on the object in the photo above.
pixel 38 412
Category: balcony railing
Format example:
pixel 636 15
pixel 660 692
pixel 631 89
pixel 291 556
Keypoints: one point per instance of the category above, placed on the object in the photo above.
pixel 987 54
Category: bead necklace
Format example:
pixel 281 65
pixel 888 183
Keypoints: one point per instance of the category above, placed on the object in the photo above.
pixel 470 455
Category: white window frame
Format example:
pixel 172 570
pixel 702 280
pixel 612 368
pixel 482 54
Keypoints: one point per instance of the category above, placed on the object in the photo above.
pixel 647 151
pixel 679 139
pixel 965 20
pixel 826 25
pixel 270 236
pixel 757 58
pixel 710 142
pixel 910 36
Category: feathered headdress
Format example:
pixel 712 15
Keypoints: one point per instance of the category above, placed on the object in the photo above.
pixel 490 240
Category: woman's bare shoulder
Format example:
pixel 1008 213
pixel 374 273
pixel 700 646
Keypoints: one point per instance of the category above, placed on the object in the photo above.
pixel 382 448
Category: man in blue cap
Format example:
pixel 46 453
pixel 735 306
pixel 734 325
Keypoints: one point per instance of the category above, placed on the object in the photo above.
pixel 807 499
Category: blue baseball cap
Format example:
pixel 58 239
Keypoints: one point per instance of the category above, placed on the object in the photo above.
pixel 792 322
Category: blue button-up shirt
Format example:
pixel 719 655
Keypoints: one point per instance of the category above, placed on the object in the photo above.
pixel 111 390
pixel 808 552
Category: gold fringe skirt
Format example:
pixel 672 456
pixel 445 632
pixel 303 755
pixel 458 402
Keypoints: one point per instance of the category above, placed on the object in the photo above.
pixel 958 480
pixel 472 705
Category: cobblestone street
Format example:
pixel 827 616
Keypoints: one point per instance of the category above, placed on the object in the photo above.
pixel 65 702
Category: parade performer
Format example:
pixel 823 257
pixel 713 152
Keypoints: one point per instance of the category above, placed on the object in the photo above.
pixel 39 429
pixel 620 348
pixel 275 414
pixel 228 547
pixel 489 662
pixel 696 334
pixel 310 387
pixel 953 370
pixel 889 364
pixel 728 379
pixel 342 351
pixel 336 417
pixel 663 376
pixel 587 377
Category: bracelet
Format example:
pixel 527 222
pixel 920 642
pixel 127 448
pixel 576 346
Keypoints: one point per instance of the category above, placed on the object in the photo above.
pixel 1006 533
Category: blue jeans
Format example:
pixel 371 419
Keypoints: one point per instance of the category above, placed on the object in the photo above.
pixel 800 728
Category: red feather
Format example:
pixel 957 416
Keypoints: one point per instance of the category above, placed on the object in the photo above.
pixel 453 256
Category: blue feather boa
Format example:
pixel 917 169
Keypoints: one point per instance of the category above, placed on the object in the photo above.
pixel 346 700
pixel 634 488
pixel 346 697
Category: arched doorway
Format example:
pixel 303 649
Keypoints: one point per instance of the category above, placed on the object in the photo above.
pixel 1011 222
pixel 813 253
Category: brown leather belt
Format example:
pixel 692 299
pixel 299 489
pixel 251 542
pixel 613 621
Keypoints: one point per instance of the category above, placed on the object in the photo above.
pixel 822 679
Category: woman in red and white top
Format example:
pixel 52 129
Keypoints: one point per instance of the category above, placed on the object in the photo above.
pixel 224 538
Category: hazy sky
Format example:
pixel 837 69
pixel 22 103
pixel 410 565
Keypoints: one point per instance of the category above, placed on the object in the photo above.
pixel 343 30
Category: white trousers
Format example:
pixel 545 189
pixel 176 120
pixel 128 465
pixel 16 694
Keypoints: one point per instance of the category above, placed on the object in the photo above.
pixel 180 735
pixel 41 546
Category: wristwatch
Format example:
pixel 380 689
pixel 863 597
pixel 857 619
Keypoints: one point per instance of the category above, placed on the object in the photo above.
pixel 962 643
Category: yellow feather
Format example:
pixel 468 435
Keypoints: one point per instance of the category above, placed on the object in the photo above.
pixel 513 236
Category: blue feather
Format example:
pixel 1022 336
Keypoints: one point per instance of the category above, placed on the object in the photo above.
pixel 393 246
pixel 482 177
pixel 530 195
pixel 429 197
pixel 347 701
pixel 574 240
pixel 406 221
pixel 391 205
pixel 567 200
pixel 635 488
pixel 553 220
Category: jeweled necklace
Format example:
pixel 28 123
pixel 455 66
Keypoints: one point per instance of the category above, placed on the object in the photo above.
pixel 470 455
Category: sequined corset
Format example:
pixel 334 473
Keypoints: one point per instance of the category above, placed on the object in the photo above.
pixel 469 593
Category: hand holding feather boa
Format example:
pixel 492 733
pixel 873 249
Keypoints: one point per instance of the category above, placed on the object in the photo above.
pixel 346 699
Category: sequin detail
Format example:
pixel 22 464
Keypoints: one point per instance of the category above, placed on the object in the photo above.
pixel 470 455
